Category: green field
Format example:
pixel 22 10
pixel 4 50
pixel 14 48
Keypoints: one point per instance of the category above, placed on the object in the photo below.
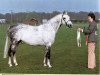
pixel 66 57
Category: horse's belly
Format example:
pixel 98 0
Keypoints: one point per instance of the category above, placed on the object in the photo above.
pixel 33 42
pixel 32 39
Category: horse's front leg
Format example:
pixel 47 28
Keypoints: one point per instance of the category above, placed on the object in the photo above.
pixel 45 61
pixel 47 57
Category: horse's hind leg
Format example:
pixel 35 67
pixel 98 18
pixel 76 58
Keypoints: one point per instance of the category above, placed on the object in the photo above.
pixel 9 54
pixel 12 50
pixel 14 59
pixel 14 56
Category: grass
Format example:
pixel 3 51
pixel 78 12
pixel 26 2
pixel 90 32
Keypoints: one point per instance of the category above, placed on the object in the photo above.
pixel 66 57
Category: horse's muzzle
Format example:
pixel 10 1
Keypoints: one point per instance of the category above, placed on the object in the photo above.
pixel 69 26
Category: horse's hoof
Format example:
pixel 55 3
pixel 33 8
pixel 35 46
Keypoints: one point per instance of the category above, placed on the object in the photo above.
pixel 16 64
pixel 50 66
pixel 10 65
pixel 45 65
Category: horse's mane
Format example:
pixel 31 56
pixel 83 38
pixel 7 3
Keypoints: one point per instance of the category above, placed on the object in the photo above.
pixel 54 17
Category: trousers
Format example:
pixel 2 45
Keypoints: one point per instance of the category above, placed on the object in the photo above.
pixel 91 55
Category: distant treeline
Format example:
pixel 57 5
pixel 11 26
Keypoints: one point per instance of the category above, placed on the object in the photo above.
pixel 24 16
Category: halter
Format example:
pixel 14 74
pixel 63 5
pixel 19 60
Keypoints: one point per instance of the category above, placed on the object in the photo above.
pixel 64 20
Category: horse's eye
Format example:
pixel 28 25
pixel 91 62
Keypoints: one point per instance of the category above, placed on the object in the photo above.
pixel 64 18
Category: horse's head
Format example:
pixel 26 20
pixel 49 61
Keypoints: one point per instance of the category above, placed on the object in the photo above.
pixel 66 20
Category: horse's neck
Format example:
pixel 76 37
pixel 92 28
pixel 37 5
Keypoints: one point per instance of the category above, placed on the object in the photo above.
pixel 55 23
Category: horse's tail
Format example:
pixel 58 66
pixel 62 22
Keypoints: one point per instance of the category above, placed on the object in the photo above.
pixel 6 47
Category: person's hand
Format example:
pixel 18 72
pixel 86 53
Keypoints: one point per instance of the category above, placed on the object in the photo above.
pixel 81 29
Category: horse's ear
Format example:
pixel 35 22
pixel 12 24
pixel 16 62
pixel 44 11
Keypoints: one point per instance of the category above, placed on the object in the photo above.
pixel 64 12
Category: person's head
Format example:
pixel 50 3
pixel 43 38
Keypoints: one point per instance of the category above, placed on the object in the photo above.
pixel 91 17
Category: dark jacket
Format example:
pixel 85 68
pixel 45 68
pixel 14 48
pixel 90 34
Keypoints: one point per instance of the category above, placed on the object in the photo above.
pixel 91 32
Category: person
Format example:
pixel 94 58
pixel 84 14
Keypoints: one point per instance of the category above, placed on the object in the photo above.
pixel 90 32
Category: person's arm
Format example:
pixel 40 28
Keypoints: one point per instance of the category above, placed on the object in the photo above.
pixel 90 30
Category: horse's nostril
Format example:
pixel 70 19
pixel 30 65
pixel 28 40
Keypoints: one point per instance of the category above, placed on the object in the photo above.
pixel 70 26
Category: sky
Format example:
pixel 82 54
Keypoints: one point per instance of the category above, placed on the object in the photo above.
pixel 49 5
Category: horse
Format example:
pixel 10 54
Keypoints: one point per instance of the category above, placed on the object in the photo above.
pixel 43 34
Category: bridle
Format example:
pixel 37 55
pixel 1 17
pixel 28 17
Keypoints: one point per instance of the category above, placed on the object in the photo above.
pixel 64 21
